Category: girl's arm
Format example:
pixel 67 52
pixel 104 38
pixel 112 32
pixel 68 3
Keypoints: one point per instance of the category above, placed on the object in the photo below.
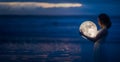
pixel 100 34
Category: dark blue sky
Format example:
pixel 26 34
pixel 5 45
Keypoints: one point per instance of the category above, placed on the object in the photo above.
pixel 89 7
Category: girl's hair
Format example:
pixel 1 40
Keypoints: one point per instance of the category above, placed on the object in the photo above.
pixel 105 20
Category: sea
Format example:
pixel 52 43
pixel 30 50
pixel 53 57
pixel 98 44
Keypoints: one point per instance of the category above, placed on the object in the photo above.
pixel 36 38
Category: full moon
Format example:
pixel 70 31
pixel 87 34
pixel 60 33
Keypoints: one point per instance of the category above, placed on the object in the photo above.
pixel 88 28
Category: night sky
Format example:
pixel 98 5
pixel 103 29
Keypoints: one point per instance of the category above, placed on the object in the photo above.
pixel 89 7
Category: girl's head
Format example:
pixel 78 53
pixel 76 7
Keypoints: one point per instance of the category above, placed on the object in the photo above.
pixel 104 20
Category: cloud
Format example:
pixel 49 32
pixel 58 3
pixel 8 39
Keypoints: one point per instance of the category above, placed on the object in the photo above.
pixel 39 4
pixel 44 8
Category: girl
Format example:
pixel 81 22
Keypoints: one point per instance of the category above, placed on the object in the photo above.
pixel 105 23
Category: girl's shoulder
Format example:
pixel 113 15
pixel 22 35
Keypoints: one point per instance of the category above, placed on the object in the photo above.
pixel 103 30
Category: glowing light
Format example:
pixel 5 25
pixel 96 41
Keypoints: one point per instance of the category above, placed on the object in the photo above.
pixel 40 4
pixel 88 28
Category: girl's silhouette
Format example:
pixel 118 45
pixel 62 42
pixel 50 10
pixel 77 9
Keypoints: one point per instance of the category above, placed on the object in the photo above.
pixel 105 23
